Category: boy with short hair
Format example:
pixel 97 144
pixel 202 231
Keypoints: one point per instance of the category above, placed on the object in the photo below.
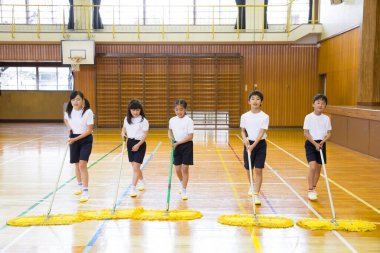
pixel 317 130
pixel 254 125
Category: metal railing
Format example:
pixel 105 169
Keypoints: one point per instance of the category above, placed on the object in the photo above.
pixel 164 19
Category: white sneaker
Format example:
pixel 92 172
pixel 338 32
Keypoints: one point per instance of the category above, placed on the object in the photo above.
pixel 79 189
pixel 141 185
pixel 184 194
pixel 133 192
pixel 312 195
pixel 257 199
pixel 84 197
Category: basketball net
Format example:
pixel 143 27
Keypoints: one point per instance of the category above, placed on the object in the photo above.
pixel 75 63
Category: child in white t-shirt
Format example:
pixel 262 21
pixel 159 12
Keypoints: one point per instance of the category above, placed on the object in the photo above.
pixel 136 128
pixel 181 128
pixel 254 125
pixel 79 120
pixel 317 130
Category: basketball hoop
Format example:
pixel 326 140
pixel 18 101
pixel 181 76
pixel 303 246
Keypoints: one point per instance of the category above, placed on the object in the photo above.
pixel 75 63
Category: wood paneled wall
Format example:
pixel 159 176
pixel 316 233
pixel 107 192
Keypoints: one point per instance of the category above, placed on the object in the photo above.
pixel 84 80
pixel 32 105
pixel 338 58
pixel 369 77
pixel 30 52
pixel 287 74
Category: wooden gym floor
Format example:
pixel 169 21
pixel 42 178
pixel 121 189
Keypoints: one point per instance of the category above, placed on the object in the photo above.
pixel 30 155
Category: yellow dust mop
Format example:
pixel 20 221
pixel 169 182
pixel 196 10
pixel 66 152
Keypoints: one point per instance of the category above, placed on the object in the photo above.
pixel 166 215
pixel 248 220
pixel 48 220
pixel 112 213
pixel 334 224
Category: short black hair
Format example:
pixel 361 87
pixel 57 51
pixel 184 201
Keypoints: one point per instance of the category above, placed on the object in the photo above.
pixel 256 93
pixel 320 97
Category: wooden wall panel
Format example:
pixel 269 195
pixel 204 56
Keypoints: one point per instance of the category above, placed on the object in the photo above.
pixel 338 58
pixel 84 80
pixel 287 74
pixel 30 52
pixel 33 105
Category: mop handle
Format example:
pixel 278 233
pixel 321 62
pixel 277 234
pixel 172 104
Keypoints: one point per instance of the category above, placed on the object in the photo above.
pixel 56 184
pixel 118 183
pixel 328 185
pixel 170 175
pixel 251 182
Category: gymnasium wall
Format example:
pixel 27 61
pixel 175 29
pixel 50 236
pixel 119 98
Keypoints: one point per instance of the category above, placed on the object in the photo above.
pixel 32 105
pixel 287 74
pixel 339 18
pixel 338 58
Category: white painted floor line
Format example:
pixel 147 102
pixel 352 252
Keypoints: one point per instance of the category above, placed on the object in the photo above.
pixel 23 142
pixel 341 238
pixel 10 160
pixel 15 240
pixel 330 180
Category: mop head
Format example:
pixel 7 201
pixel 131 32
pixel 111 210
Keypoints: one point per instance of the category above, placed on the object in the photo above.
pixel 248 220
pixel 172 215
pixel 57 219
pixel 346 225
pixel 107 214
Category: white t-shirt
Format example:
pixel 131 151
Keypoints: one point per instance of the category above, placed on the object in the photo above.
pixel 181 127
pixel 136 129
pixel 318 125
pixel 253 123
pixel 79 123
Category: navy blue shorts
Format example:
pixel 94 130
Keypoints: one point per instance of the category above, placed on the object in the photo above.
pixel 258 155
pixel 136 156
pixel 183 154
pixel 312 154
pixel 80 150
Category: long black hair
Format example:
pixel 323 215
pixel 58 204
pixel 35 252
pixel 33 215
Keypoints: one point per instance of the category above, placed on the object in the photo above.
pixel 135 104
pixel 73 95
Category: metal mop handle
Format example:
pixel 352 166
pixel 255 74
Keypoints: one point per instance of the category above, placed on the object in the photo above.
pixel 170 176
pixel 251 183
pixel 328 187
pixel 56 184
pixel 118 183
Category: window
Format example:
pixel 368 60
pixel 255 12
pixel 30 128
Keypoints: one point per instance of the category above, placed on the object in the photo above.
pixel 7 9
pixel 278 12
pixel 24 78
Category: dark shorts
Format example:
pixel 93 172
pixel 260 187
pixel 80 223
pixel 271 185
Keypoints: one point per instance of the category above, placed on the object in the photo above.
pixel 312 154
pixel 183 154
pixel 80 150
pixel 258 155
pixel 136 156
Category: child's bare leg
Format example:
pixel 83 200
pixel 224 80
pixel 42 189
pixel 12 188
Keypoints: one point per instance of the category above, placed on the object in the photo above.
pixel 77 173
pixel 83 173
pixel 317 174
pixel 137 174
pixel 185 175
pixel 249 178
pixel 311 176
pixel 178 170
pixel 258 179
